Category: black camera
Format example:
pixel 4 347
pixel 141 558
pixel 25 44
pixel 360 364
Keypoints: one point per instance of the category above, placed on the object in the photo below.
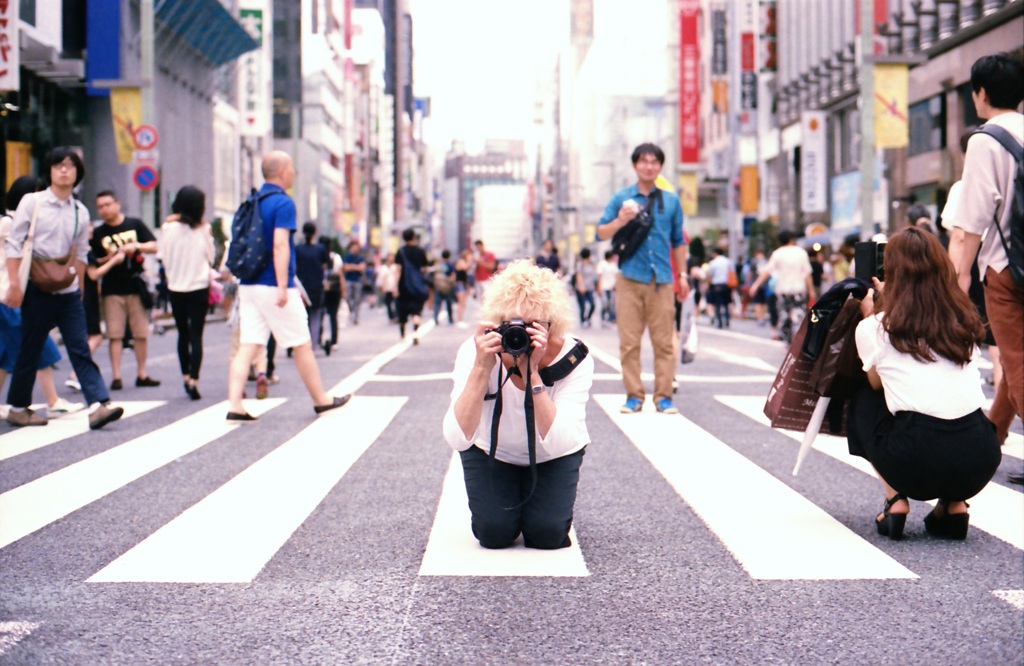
pixel 869 260
pixel 515 339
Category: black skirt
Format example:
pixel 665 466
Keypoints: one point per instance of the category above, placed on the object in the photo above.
pixel 921 456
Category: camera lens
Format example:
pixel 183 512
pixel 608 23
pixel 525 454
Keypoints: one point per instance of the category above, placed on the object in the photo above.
pixel 516 341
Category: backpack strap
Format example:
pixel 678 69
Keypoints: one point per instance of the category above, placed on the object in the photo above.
pixel 1016 150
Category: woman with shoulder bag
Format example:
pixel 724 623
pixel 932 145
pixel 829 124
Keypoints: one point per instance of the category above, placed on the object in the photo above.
pixel 920 423
pixel 187 251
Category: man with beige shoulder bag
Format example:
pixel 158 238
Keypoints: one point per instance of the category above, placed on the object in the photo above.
pixel 46 252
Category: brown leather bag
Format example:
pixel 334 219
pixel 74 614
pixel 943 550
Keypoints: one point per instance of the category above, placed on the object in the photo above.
pixel 53 275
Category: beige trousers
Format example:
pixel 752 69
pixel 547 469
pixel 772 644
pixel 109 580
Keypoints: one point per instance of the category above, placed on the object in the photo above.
pixel 645 306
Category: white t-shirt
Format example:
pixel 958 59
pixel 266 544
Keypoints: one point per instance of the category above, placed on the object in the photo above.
pixel 607 271
pixel 790 266
pixel 718 269
pixel 568 433
pixel 941 389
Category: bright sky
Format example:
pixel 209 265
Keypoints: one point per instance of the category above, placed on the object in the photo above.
pixel 479 61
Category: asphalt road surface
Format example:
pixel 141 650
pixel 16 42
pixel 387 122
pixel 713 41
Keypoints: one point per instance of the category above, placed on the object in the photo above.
pixel 171 537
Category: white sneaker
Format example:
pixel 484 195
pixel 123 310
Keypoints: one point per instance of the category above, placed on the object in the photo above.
pixel 62 407
pixel 73 385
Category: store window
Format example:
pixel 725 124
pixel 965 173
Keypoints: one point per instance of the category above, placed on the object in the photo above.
pixel 927 125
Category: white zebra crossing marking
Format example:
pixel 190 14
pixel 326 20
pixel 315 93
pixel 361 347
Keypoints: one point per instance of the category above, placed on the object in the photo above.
pixel 23 440
pixel 11 633
pixel 38 503
pixel 453 551
pixel 757 364
pixel 1013 597
pixel 778 534
pixel 996 509
pixel 231 534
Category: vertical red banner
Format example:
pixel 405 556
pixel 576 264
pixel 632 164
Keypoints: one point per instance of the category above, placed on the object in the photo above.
pixel 689 82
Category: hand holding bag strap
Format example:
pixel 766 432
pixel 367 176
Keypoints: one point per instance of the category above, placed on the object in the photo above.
pixel 27 247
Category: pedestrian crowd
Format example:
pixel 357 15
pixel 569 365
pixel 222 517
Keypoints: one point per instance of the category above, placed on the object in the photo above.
pixel 917 411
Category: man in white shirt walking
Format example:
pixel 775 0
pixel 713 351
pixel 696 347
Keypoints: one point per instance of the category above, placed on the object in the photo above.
pixel 792 270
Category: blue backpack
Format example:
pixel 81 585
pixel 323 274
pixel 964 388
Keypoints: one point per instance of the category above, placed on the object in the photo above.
pixel 248 254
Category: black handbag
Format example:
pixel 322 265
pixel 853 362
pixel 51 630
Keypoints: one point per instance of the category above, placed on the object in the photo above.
pixel 824 312
pixel 627 240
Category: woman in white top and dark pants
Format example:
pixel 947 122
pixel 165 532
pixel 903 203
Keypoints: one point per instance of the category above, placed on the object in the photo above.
pixel 921 423
pixel 187 251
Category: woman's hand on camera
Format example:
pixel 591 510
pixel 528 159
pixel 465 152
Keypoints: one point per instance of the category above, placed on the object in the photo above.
pixel 539 342
pixel 488 345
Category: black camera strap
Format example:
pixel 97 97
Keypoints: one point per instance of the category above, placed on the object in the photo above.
pixel 549 375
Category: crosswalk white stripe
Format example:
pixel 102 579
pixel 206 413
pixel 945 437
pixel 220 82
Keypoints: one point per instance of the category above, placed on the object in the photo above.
pixel 30 438
pixel 736 359
pixel 232 533
pixel 38 503
pixel 453 551
pixel 367 371
pixel 11 633
pixel 694 379
pixel 996 509
pixel 778 534
pixel 1014 446
pixel 612 361
pixel 1013 597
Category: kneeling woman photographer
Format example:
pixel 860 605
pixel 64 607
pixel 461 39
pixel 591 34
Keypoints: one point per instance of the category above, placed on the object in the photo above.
pixel 920 424
pixel 520 481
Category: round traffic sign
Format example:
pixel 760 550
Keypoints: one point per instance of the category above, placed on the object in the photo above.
pixel 146 137
pixel 145 178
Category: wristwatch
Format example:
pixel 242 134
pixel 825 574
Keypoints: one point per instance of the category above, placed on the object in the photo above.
pixel 537 389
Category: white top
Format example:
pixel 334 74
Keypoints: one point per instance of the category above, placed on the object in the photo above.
pixel 718 270
pixel 607 271
pixel 790 266
pixel 989 170
pixel 568 432
pixel 187 254
pixel 951 211
pixel 941 389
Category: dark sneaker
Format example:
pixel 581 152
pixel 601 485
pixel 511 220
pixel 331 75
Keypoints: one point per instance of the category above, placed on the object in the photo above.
pixel 25 417
pixel 146 381
pixel 116 385
pixel 240 417
pixel 335 403
pixel 103 415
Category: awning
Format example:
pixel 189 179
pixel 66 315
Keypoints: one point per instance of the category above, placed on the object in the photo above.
pixel 206 27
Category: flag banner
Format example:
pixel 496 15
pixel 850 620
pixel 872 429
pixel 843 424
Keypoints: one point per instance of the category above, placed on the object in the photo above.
pixel 10 78
pixel 253 82
pixel 891 92
pixel 689 82
pixel 749 189
pixel 126 114
pixel 813 163
pixel 688 193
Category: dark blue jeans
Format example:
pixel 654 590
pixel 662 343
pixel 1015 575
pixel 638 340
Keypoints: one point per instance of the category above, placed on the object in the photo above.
pixel 495 488
pixel 40 312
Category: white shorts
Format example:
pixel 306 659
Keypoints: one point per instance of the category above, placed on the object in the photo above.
pixel 259 317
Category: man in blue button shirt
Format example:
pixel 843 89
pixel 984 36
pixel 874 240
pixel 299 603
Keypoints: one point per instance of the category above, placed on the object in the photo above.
pixel 644 293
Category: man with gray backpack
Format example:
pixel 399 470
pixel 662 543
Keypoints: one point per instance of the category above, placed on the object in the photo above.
pixel 992 218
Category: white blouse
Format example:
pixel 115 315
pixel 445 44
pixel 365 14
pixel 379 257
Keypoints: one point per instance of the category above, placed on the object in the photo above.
pixel 568 433
pixel 187 254
pixel 941 389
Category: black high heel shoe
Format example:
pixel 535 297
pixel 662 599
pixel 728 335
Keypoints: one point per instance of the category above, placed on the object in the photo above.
pixel 891 524
pixel 948 525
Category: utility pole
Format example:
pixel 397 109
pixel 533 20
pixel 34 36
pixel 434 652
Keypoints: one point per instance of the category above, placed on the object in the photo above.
pixel 867 119
pixel 148 98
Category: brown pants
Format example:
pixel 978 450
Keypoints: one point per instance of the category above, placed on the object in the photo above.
pixel 1004 303
pixel 639 306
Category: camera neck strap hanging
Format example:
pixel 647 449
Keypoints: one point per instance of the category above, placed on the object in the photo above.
pixel 531 428
pixel 549 375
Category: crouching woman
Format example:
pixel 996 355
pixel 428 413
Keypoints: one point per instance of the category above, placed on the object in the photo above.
pixel 920 424
pixel 521 469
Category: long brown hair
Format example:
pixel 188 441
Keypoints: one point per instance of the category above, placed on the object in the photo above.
pixel 923 309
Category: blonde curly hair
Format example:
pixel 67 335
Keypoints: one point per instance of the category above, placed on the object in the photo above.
pixel 530 292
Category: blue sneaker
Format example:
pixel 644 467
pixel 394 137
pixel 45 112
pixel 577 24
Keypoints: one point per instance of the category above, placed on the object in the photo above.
pixel 632 405
pixel 665 406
